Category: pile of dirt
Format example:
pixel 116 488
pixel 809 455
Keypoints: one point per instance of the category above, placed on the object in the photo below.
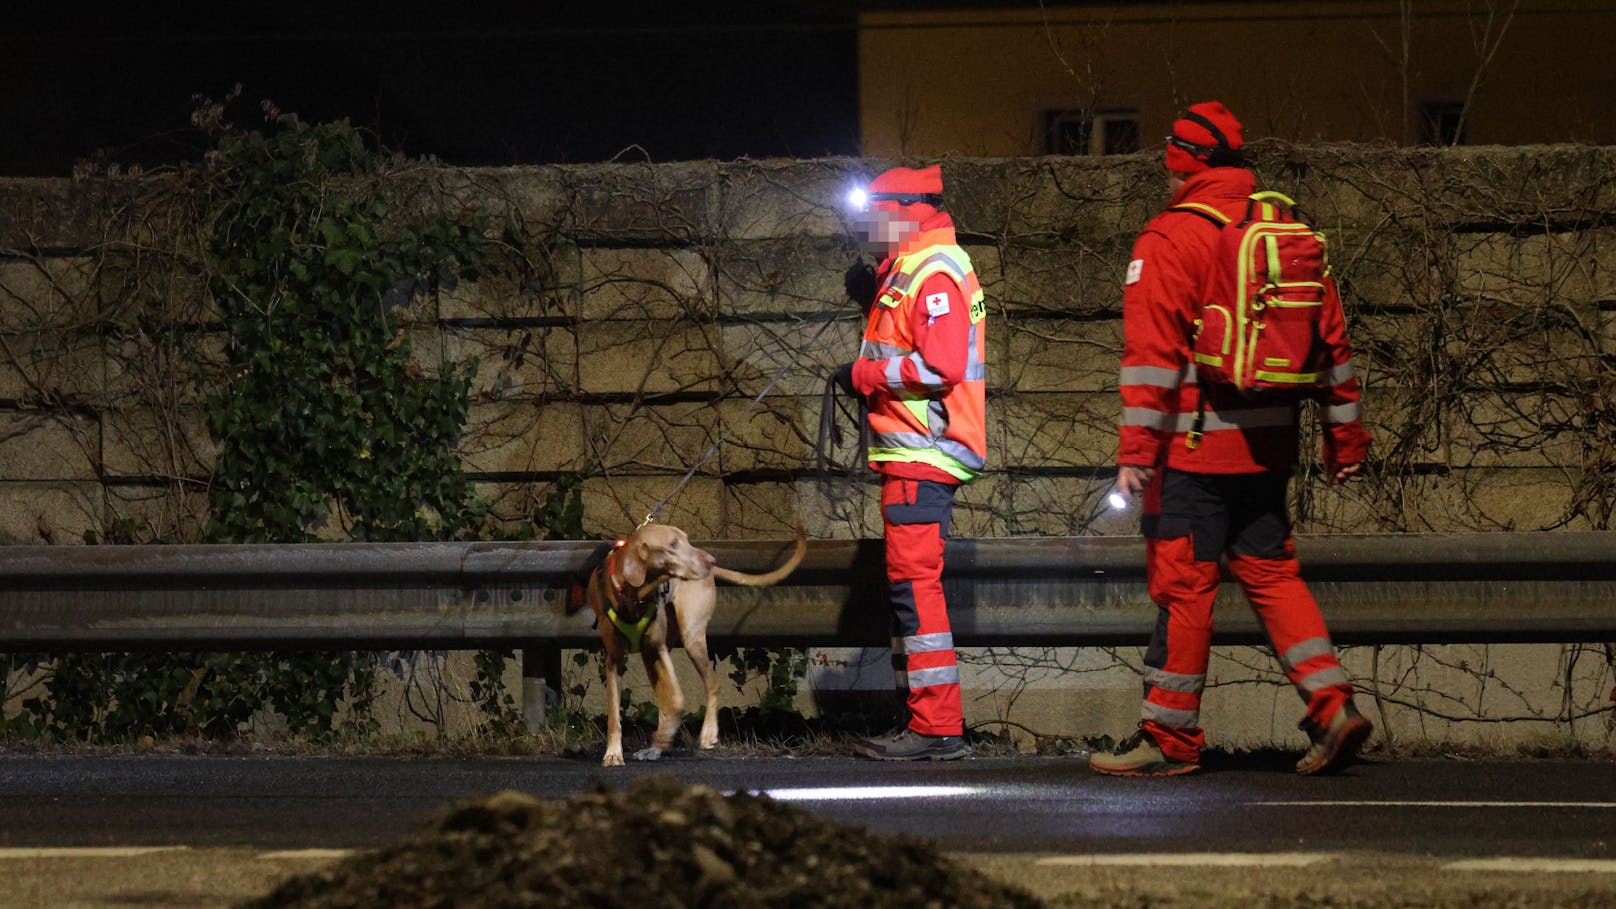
pixel 658 843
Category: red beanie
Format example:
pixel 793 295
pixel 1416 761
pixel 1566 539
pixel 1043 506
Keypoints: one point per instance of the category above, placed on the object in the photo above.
pixel 904 181
pixel 1206 136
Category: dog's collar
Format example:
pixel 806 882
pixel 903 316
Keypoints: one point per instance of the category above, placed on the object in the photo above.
pixel 611 570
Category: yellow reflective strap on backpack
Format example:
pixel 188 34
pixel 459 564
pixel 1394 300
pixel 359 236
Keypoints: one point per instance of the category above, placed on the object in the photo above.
pixel 1271 196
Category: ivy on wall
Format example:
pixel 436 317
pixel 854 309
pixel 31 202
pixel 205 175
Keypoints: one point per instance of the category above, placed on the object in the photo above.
pixel 325 414
pixel 325 411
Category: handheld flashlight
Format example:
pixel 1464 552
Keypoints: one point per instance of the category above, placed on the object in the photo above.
pixel 1117 500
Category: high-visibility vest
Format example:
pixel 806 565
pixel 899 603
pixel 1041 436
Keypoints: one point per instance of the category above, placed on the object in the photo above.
pixel 947 432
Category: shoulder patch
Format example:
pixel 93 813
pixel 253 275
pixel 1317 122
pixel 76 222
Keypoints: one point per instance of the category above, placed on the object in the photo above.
pixel 1135 269
pixel 936 305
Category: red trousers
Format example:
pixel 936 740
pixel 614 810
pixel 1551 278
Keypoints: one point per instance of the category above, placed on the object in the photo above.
pixel 915 517
pixel 1204 517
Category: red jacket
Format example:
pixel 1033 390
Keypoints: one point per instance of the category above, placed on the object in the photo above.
pixel 942 342
pixel 1172 270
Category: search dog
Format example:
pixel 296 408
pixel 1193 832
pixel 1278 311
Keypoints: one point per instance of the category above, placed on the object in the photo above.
pixel 653 572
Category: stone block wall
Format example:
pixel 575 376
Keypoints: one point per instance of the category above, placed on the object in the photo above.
pixel 631 312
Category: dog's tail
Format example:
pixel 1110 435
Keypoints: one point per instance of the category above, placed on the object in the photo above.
pixel 773 577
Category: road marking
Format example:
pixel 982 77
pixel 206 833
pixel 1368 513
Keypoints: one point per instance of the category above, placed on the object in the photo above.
pixel 1222 859
pixel 1519 865
pixel 845 793
pixel 307 854
pixel 1394 803
pixel 84 851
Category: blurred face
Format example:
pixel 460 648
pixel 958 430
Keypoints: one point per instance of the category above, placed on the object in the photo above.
pixel 1175 181
pixel 884 224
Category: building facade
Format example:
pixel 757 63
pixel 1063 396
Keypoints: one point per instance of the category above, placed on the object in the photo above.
pixel 1107 78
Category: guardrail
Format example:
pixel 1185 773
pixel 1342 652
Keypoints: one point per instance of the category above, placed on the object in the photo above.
pixel 1504 587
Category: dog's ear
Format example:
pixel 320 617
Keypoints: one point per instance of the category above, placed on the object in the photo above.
pixel 632 561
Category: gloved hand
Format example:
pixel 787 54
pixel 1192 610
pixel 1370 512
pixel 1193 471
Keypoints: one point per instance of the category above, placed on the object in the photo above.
pixel 859 282
pixel 843 376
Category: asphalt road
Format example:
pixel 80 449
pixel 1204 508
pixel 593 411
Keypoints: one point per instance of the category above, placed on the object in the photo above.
pixel 1562 809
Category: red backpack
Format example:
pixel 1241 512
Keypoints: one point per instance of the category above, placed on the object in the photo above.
pixel 1261 333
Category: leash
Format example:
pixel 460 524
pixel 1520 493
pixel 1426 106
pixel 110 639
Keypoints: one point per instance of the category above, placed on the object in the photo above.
pixel 713 448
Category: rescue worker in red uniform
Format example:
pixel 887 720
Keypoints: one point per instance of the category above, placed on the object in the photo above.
pixel 1226 495
pixel 920 372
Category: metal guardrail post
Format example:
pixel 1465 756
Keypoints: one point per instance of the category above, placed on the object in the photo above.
pixel 541 684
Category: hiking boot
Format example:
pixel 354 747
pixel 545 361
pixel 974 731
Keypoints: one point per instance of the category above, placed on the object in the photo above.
pixel 908 745
pixel 1139 755
pixel 1335 746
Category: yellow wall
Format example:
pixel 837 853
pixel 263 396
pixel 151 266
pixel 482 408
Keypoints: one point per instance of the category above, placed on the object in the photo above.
pixel 974 82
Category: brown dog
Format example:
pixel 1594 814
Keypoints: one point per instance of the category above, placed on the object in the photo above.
pixel 653 572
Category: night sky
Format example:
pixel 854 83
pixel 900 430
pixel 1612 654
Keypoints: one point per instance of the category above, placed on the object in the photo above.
pixel 505 82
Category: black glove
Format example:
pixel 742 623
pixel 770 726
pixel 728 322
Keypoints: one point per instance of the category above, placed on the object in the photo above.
pixel 859 281
pixel 843 377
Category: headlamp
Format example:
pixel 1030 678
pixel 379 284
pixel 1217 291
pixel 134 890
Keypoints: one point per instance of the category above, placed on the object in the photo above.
pixel 860 198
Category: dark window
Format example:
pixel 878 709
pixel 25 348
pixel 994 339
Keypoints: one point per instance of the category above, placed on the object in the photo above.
pixel 1091 132
pixel 1121 134
pixel 1441 123
pixel 1067 132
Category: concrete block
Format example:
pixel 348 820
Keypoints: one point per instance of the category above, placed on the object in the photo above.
pixel 1345 186
pixel 49 446
pixel 175 512
pixel 516 361
pixel 980 507
pixel 1491 344
pixel 520 202
pixel 1059 355
pixel 789 198
pixel 165 370
pixel 615 505
pixel 58 513
pixel 1063 506
pixel 840 508
pixel 56 295
pixel 1483 499
pixel 669 204
pixel 513 506
pixel 1383 343
pixel 631 284
pixel 800 353
pixel 778 434
pixel 53 215
pixel 651 438
pixel 1064 280
pixel 1396 264
pixel 49 367
pixel 520 437
pixel 647 357
pixel 1056 429
pixel 1500 697
pixel 1534 270
pixel 1521 185
pixel 516 290
pixel 788 276
pixel 145 442
pixel 1083 200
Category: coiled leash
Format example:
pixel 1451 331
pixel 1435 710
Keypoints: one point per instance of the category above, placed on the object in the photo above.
pixel 831 431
